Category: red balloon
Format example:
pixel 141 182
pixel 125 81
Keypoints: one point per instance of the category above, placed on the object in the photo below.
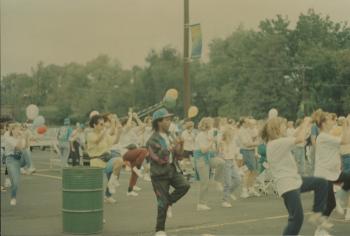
pixel 41 129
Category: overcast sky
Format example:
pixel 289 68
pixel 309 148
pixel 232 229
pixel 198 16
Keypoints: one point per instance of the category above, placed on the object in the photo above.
pixel 63 31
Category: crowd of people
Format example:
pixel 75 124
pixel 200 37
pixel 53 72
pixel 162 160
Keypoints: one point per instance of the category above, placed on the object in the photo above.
pixel 243 157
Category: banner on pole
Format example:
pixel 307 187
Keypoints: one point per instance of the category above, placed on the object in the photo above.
pixel 196 35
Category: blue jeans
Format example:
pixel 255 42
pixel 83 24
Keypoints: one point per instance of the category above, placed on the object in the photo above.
pixel 14 171
pixel 345 159
pixel 292 202
pixel 249 159
pixel 27 155
pixel 232 179
pixel 299 156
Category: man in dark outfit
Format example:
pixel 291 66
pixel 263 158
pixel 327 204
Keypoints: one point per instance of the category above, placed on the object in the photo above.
pixel 165 150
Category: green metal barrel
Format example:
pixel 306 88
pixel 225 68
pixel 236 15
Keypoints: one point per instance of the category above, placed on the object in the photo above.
pixel 82 208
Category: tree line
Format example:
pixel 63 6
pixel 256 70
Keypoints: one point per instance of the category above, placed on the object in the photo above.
pixel 295 69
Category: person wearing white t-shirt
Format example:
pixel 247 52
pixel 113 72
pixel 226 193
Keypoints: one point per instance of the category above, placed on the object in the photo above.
pixel 328 162
pixel 205 159
pixel 229 152
pixel 285 174
pixel 188 137
pixel 14 144
pixel 248 142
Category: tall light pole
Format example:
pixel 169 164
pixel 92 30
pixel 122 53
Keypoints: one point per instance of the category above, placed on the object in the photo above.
pixel 187 88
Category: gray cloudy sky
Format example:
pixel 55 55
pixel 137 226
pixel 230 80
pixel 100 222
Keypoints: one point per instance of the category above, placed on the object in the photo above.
pixel 63 31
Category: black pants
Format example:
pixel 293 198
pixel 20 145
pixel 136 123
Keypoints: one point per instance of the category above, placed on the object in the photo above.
pixel 292 201
pixel 164 198
pixel 344 178
pixel 74 156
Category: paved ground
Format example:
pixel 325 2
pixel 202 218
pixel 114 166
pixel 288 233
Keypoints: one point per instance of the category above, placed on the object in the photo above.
pixel 39 202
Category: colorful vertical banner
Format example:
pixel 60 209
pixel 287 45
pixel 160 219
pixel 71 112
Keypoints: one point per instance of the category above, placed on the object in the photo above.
pixel 196 35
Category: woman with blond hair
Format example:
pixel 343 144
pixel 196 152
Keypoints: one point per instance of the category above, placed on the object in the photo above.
pixel 248 142
pixel 15 143
pixel 205 160
pixel 229 152
pixel 285 173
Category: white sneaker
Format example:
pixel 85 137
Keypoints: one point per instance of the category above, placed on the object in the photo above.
pixel 132 193
pixel 226 204
pixel 169 213
pixel 347 215
pixel 136 188
pixel 160 233
pixel 13 202
pixel 244 193
pixel 31 171
pixel 109 200
pixel 24 171
pixel 321 232
pixel 138 172
pixel 147 178
pixel 319 220
pixel 202 207
pixel 7 182
pixel 233 197
pixel 3 189
pixel 253 192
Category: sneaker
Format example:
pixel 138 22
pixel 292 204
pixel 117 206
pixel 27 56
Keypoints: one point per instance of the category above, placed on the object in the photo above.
pixel 253 192
pixel 3 189
pixel 137 171
pixel 23 171
pixel 347 215
pixel 226 204
pixel 325 223
pixel 233 197
pixel 147 178
pixel 132 193
pixel 321 232
pixel 136 188
pixel 109 200
pixel 31 171
pixel 319 220
pixel 7 182
pixel 169 213
pixel 160 233
pixel 202 207
pixel 13 202
pixel 244 193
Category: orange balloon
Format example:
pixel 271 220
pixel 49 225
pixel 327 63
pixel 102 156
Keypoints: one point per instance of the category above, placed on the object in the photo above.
pixel 41 129
pixel 172 93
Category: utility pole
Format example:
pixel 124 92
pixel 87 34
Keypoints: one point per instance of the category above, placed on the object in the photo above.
pixel 187 88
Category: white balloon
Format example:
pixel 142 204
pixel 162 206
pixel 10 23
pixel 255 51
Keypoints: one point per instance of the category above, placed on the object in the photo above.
pixel 38 121
pixel 273 113
pixel 32 111
pixel 93 113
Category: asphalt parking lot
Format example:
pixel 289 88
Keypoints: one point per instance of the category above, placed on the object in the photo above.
pixel 39 210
